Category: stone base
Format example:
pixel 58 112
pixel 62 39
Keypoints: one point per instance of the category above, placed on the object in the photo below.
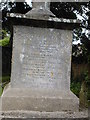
pixel 39 100
pixel 36 115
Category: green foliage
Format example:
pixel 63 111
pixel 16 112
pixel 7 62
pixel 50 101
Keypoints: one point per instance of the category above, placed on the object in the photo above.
pixel 76 87
pixel 86 76
pixel 83 95
pixel 0 90
pixel 80 54
pixel 77 82
pixel 3 81
pixel 6 38
pixel 4 41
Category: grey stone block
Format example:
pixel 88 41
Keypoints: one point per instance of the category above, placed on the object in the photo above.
pixel 41 65
pixel 39 100
pixel 41 58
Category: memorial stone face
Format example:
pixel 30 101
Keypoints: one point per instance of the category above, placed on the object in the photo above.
pixel 41 65
pixel 41 58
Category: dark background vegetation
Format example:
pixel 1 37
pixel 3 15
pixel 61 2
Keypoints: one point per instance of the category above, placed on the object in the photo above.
pixel 80 75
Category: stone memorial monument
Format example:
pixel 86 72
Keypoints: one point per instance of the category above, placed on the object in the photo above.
pixel 41 63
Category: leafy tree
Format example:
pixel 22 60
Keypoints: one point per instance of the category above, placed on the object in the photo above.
pixel 12 7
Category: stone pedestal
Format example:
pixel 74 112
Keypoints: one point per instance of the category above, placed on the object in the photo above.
pixel 39 100
pixel 41 65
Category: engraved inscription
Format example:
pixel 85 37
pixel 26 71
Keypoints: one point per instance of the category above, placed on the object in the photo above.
pixel 42 56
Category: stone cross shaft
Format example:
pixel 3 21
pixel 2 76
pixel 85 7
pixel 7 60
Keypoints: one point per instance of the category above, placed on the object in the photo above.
pixel 44 4
pixel 40 9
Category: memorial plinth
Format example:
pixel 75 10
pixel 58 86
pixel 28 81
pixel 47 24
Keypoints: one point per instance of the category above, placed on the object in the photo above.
pixel 41 66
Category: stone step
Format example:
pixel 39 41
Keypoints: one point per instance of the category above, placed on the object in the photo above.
pixel 37 115
pixel 44 119
pixel 39 100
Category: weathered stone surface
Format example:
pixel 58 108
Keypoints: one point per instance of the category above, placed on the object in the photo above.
pixel 41 64
pixel 41 58
pixel 39 100
pixel 52 0
pixel 36 115
pixel 44 118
